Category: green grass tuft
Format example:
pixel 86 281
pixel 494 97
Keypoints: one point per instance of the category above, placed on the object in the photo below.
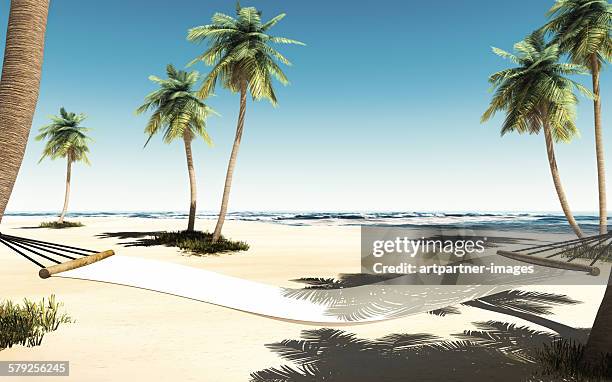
pixel 562 359
pixel 196 242
pixel 57 225
pixel 27 324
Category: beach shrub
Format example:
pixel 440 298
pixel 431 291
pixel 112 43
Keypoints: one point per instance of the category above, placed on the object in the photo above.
pixel 57 225
pixel 562 359
pixel 28 323
pixel 196 242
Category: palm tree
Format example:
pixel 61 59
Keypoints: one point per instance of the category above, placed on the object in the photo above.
pixel 179 113
pixel 243 60
pixel 536 96
pixel 582 29
pixel 19 85
pixel 65 139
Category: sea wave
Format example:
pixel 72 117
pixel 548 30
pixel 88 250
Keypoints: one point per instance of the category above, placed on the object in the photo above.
pixel 550 222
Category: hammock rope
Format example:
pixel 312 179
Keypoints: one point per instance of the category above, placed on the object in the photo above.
pixel 551 250
pixel 32 249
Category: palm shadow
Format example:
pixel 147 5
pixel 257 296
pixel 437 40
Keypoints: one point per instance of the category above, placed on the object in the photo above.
pixel 495 351
pixel 527 305
pixel 135 238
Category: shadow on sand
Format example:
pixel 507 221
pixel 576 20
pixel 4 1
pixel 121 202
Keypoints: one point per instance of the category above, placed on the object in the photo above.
pixel 135 239
pixel 495 351
pixel 527 305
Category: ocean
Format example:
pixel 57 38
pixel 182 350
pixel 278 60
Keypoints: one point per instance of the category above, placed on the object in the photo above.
pixel 541 222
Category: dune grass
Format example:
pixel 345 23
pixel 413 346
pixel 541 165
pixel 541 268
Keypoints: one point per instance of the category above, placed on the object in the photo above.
pixel 57 225
pixel 196 242
pixel 562 358
pixel 26 324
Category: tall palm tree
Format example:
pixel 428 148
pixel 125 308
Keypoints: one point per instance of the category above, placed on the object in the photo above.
pixel 536 96
pixel 243 60
pixel 19 85
pixel 179 113
pixel 582 29
pixel 66 139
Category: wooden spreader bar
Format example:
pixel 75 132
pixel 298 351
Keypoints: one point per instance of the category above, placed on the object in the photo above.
pixel 546 262
pixel 47 272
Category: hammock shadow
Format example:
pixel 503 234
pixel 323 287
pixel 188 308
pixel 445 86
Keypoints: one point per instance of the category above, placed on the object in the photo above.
pixel 137 238
pixel 495 351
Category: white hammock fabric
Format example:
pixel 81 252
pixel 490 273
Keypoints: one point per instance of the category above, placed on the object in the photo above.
pixel 369 303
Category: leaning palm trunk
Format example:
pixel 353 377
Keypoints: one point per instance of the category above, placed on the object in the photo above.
pixel 232 163
pixel 67 194
pixel 19 86
pixel 600 339
pixel 192 181
pixel 554 171
pixel 599 149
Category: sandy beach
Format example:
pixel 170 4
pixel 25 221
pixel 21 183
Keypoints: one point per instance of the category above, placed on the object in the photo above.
pixel 123 333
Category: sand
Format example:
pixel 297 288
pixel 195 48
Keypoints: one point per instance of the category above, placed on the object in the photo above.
pixel 127 334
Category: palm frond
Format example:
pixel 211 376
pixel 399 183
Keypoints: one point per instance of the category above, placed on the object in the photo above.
pixel 582 28
pixel 177 110
pixel 528 301
pixel 65 137
pixel 536 92
pixel 239 51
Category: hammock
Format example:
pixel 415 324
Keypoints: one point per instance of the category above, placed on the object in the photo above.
pixel 362 304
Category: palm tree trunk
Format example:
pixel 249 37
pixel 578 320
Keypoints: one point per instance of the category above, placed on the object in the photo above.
pixel 554 171
pixel 67 194
pixel 599 148
pixel 600 339
pixel 192 181
pixel 19 85
pixel 232 162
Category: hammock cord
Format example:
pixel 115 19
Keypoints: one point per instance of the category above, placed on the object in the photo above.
pixel 575 245
pixel 30 249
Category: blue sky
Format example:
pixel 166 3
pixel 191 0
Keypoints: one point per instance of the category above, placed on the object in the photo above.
pixel 382 112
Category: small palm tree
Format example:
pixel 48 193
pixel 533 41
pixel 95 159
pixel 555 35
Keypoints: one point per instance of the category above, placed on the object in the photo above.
pixel 179 113
pixel 537 96
pixel 66 139
pixel 243 60
pixel 582 29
